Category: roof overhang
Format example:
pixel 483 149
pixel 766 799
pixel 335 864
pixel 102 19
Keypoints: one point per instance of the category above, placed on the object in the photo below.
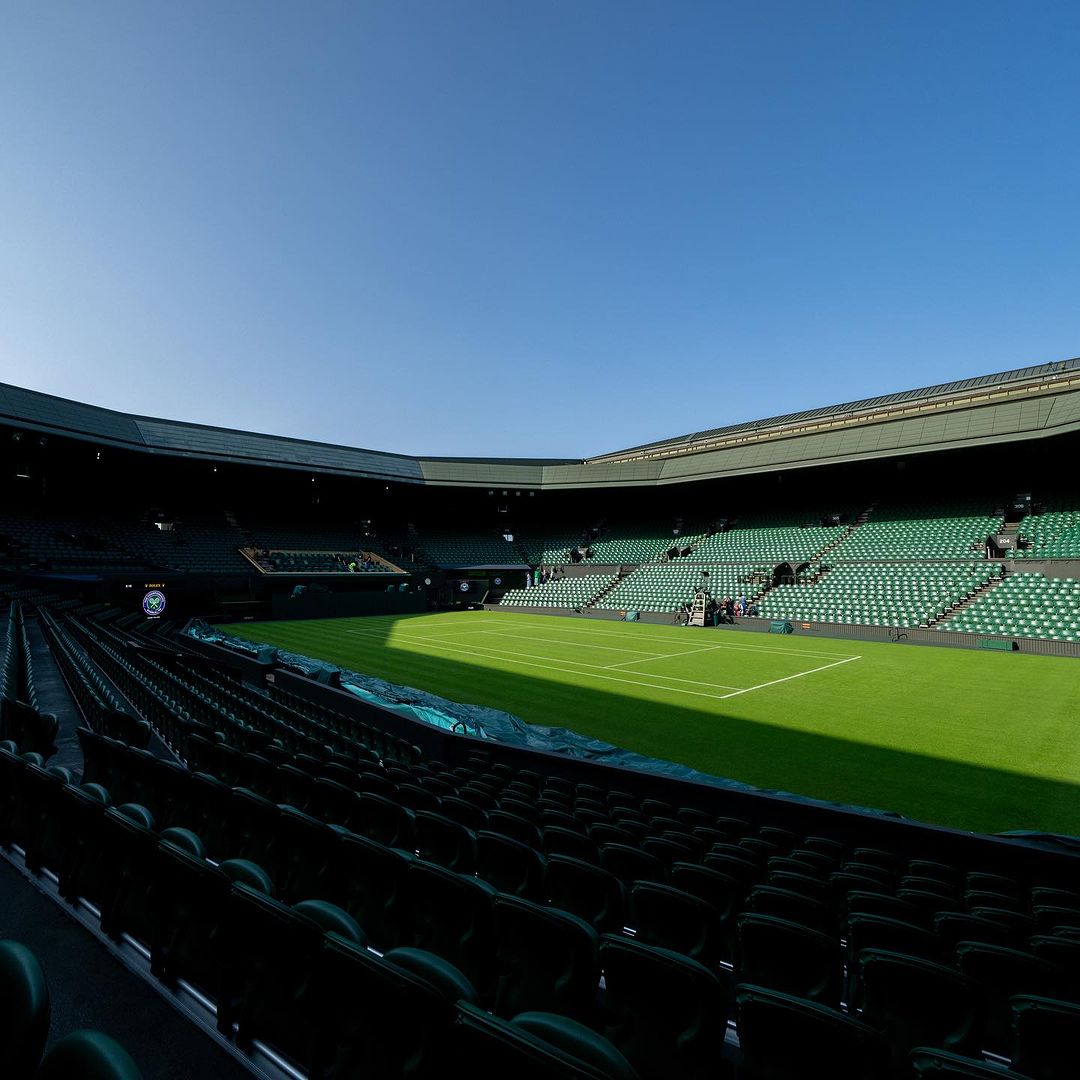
pixel 1026 404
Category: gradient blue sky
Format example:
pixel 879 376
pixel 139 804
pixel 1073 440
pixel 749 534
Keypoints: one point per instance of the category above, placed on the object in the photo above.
pixel 545 228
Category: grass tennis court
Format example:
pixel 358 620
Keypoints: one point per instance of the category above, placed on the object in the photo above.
pixel 975 740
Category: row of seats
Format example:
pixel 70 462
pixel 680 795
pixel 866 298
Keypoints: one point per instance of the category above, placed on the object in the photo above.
pixel 95 696
pixel 1053 534
pixel 667 587
pixel 638 542
pixel 567 592
pixel 669 979
pixel 619 860
pixel 263 960
pixel 879 594
pixel 774 538
pixel 472 549
pixel 20 717
pixel 1026 605
pixel 324 562
pixel 182 700
pixel 25 1020
pixel 921 531
pixel 9 660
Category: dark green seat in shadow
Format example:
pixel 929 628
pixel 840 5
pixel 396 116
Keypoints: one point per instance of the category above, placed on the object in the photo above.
pixel 919 1003
pixel 88 1055
pixel 1045 1037
pixel 383 1016
pixel 930 1064
pixel 546 960
pixel 782 955
pixel 24 1010
pixel 666 1013
pixel 535 1046
pixel 783 1037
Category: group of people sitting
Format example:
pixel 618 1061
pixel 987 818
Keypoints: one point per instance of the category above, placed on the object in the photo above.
pixel 723 611
pixel 356 563
pixel 732 608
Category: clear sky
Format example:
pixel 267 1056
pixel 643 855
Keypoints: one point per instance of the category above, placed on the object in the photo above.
pixel 553 227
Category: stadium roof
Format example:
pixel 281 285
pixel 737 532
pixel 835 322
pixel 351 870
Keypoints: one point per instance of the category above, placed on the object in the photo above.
pixel 1025 403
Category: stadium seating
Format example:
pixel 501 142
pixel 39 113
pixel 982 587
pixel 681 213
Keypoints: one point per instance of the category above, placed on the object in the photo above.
pixel 550 547
pixel 114 543
pixel 921 531
pixel 1024 605
pixel 1053 534
pixel 878 594
pixel 332 851
pixel 637 542
pixel 770 538
pixel 565 592
pixel 25 1019
pixel 465 549
pixel 665 587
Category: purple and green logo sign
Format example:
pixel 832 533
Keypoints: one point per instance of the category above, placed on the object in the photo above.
pixel 153 604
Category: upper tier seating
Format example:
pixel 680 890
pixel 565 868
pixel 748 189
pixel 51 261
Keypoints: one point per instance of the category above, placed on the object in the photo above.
pixel 1053 534
pixel 552 548
pixel 878 594
pixel 1027 605
pixel 637 543
pixel 921 531
pixel 64 544
pixel 197 546
pixel 771 538
pixel 471 549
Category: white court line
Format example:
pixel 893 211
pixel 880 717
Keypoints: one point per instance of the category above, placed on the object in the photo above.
pixel 669 656
pixel 614 633
pixel 547 666
pixel 788 678
pixel 576 644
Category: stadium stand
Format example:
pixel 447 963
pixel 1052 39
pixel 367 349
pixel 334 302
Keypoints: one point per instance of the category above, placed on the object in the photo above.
pixel 638 542
pixel 770 537
pixel 1052 534
pixel 463 549
pixel 921 531
pixel 303 862
pixel 567 592
pixel 879 594
pixel 547 547
pixel 667 587
pixel 1024 605
pixel 354 893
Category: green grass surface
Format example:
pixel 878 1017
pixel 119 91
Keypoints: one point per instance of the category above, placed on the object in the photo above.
pixel 976 740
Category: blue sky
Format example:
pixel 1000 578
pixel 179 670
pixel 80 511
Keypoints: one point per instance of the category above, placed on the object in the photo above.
pixel 546 228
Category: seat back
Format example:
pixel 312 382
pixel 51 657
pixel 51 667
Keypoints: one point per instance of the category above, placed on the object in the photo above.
pixel 24 1010
pixel 90 1054
pixel 782 955
pixel 547 960
pixel 677 920
pixel 496 1049
pixel 788 1038
pixel 919 1003
pixel 665 1012
pixel 1045 1037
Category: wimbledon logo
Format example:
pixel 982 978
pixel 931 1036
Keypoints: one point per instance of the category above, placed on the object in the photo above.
pixel 153 603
